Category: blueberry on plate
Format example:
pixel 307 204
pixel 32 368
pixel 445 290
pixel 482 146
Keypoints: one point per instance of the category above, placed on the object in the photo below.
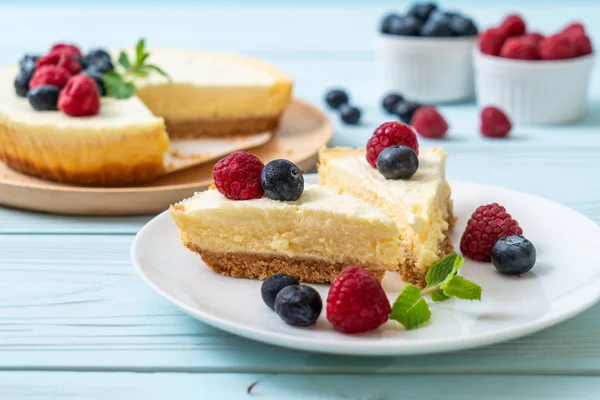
pixel 462 26
pixel 22 81
pixel 336 97
pixel 438 25
pixel 349 114
pixel 282 180
pixel 404 26
pixel 97 76
pixel 513 255
pixel 44 97
pixel 298 305
pixel 422 11
pixel 406 109
pixel 273 284
pixel 397 162
pixel 391 101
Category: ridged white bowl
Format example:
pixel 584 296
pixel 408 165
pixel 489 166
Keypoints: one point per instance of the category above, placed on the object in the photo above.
pixel 534 92
pixel 428 70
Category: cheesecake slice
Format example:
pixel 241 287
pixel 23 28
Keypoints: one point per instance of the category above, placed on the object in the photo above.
pixel 421 206
pixel 312 238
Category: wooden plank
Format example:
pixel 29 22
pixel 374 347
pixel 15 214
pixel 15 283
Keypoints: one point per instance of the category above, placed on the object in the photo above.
pixel 74 302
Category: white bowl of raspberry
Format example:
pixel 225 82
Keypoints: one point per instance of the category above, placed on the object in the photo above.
pixel 425 55
pixel 535 79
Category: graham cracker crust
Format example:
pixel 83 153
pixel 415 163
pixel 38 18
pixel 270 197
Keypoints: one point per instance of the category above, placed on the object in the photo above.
pixel 217 127
pixel 261 266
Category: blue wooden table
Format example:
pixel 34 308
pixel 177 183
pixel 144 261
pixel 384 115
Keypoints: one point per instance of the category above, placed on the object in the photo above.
pixel 76 322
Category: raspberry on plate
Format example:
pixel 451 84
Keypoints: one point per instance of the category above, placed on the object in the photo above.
pixel 80 97
pixel 67 48
pixel 556 47
pixel 520 49
pixel 513 25
pixel 50 75
pixel 491 41
pixel 487 225
pixel 429 123
pixel 356 302
pixel 238 176
pixel 63 59
pixel 494 122
pixel 388 134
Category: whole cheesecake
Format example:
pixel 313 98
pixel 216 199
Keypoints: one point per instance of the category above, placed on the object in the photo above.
pixel 205 95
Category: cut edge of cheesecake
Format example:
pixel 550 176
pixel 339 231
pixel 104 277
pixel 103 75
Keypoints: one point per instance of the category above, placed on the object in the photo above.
pixel 420 255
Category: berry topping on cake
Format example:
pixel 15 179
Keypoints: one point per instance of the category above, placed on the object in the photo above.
pixel 80 97
pixel 66 48
pixel 99 60
pixel 282 180
pixel 336 97
pixel 66 60
pixel 406 109
pixel 422 11
pixel 513 25
pixel 397 162
pixel 44 98
pixel 391 101
pixel 520 48
pixel 491 41
pixel 238 176
pixel 390 134
pixel 273 284
pixel 298 305
pixel 429 123
pixel 462 26
pixel 50 75
pixel 438 25
pixel 494 123
pixel 28 62
pixel 22 81
pixel 556 47
pixel 349 114
pixel 487 224
pixel 97 77
pixel 356 302
pixel 513 255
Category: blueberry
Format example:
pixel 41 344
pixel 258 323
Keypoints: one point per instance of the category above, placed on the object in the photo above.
pixel 282 180
pixel 397 162
pixel 22 82
pixel 422 11
pixel 438 25
pixel 28 61
pixel 273 284
pixel 462 26
pixel 98 55
pixel 298 305
pixel 97 77
pixel 406 109
pixel 391 101
pixel 513 255
pixel 44 97
pixel 102 66
pixel 387 21
pixel 404 26
pixel 349 114
pixel 336 97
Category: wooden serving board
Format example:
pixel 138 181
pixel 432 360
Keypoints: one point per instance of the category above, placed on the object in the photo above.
pixel 304 130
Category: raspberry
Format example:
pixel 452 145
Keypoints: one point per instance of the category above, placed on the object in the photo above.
pixel 513 25
pixel 494 123
pixel 356 302
pixel 491 41
pixel 237 176
pixel 487 224
pixel 519 49
pixel 390 134
pixel 50 75
pixel 534 38
pixel 574 29
pixel 556 47
pixel 429 123
pixel 582 45
pixel 63 59
pixel 80 97
pixel 65 47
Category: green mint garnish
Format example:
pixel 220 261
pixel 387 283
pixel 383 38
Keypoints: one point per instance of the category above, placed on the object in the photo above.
pixel 411 309
pixel 119 85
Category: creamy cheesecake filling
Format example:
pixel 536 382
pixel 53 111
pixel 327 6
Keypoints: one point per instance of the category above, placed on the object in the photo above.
pixel 419 206
pixel 320 224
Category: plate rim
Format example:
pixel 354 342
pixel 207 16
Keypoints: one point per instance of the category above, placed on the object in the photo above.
pixel 334 347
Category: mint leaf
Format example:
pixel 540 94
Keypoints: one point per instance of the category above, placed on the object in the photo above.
pixel 462 288
pixel 140 70
pixel 140 52
pixel 124 60
pixel 410 309
pixel 444 269
pixel 439 295
pixel 117 87
pixel 159 70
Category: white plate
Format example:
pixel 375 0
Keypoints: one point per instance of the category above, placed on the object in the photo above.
pixel 564 282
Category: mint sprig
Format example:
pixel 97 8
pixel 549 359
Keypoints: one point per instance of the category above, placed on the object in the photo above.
pixel 119 85
pixel 443 283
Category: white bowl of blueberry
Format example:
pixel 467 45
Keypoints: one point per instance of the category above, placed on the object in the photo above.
pixel 426 54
